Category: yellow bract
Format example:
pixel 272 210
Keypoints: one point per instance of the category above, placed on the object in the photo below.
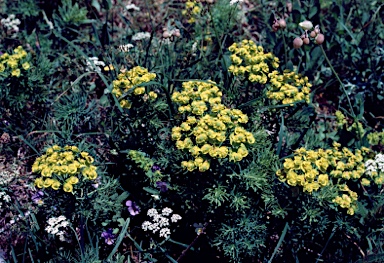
pixel 129 80
pixel 313 170
pixel 211 130
pixel 63 165
pixel 257 66
pixel 14 62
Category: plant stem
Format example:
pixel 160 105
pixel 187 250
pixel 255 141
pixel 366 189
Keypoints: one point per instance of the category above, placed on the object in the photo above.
pixel 338 78
pixel 285 49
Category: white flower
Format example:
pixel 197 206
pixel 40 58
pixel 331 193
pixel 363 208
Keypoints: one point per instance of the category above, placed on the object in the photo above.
pixel 63 224
pixel 154 227
pixel 306 25
pixel 157 218
pixel 166 211
pixel 175 218
pixel 61 218
pixel 125 48
pixel 165 232
pixel 164 222
pixel 93 64
pixel 132 7
pixel 145 225
pixel 232 2
pixel 52 221
pixel 156 197
pixel 152 212
pixel 53 231
pixel 141 36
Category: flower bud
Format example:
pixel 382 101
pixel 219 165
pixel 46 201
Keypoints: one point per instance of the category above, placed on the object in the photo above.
pixel 306 25
pixel 319 39
pixel 166 34
pixel 282 23
pixel 313 34
pixel 297 42
pixel 306 41
pixel 176 33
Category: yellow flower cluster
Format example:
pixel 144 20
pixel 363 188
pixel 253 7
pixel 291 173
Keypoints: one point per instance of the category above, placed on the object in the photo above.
pixel 130 80
pixel 63 165
pixel 209 124
pixel 315 169
pixel 191 11
pixel 14 62
pixel 376 138
pixel 285 87
pixel 340 118
pixel 138 157
pixel 348 200
pixel 250 60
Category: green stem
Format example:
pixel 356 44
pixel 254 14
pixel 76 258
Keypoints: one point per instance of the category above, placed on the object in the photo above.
pixel 219 39
pixel 338 78
pixel 285 49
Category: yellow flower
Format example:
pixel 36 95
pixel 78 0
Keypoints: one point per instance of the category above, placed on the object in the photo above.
pixel 365 182
pixel 67 187
pixel 351 211
pixel 26 66
pixel 72 180
pixel 139 91
pixel 109 67
pixel 291 178
pixel 64 169
pixel 15 72
pixel 46 172
pixel 39 182
pixel 323 179
pixel 48 182
pixel 55 185
pixel 89 159
pixel 74 149
pixel 204 166
pixel 152 95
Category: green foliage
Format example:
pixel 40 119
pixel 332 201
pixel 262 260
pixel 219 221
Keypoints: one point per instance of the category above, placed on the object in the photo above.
pixel 133 88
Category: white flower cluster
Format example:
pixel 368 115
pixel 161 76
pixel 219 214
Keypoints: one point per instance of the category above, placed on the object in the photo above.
pixel 4 197
pixel 372 167
pixel 232 2
pixel 96 64
pixel 125 48
pixel 160 221
pixel 11 23
pixel 7 176
pixel 141 36
pixel 54 225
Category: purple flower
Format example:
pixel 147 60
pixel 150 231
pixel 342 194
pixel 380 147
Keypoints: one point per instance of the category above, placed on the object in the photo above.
pixel 37 197
pixel 133 209
pixel 162 185
pixel 155 168
pixel 109 237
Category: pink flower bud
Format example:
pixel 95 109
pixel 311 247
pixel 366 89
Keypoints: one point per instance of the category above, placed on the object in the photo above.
pixel 282 23
pixel 319 39
pixel 297 42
